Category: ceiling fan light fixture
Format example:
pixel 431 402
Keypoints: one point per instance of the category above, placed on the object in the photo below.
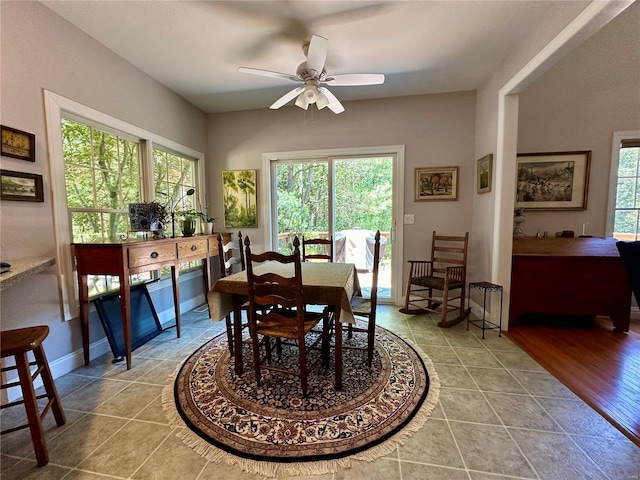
pixel 310 93
pixel 301 101
pixel 321 100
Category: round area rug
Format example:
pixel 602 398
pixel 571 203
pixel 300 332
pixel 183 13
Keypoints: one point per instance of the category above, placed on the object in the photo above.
pixel 272 429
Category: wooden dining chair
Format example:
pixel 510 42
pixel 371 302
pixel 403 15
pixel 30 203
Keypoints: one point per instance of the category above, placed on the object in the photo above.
pixel 228 260
pixel 366 307
pixel 317 244
pixel 434 284
pixel 277 309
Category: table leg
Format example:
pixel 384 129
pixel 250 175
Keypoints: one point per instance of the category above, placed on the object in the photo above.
pixel 125 308
pixel 83 294
pixel 237 332
pixel 206 276
pixel 484 310
pixel 338 348
pixel 175 284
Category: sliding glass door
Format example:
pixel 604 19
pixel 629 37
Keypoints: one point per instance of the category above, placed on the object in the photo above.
pixel 343 198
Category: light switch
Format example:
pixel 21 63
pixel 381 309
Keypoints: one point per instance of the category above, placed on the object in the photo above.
pixel 409 219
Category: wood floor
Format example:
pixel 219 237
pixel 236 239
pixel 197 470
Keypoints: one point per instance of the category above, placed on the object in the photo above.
pixel 599 365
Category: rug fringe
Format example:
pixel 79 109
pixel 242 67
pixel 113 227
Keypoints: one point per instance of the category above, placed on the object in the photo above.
pixel 321 467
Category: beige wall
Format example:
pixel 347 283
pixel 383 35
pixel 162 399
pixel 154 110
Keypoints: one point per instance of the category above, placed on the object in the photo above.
pixel 40 51
pixel 577 105
pixel 437 130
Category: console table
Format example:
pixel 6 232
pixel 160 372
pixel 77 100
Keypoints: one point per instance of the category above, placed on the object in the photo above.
pixel 122 259
pixel 569 276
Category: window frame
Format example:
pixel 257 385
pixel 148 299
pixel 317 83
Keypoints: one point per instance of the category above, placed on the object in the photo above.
pixel 618 137
pixel 57 107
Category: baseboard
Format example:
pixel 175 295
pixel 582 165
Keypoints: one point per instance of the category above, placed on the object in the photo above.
pixel 167 317
pixel 74 360
pixel 61 366
pixel 477 311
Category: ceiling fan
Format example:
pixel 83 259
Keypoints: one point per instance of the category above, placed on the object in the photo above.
pixel 314 77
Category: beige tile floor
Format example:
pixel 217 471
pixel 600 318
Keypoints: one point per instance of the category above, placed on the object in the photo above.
pixel 500 416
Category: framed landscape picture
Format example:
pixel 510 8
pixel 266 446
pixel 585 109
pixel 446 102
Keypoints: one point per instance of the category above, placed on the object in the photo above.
pixel 552 181
pixel 23 187
pixel 436 183
pixel 240 198
pixel 485 165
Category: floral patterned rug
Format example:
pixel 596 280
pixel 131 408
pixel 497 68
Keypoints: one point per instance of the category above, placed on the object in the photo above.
pixel 273 430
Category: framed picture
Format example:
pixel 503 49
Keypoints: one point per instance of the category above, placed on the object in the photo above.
pixel 239 188
pixel 437 183
pixel 18 144
pixel 24 187
pixel 552 181
pixel 485 166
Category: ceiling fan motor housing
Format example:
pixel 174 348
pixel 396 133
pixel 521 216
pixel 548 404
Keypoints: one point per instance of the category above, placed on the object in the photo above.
pixel 305 74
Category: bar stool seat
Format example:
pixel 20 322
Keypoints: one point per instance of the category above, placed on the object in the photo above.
pixel 17 343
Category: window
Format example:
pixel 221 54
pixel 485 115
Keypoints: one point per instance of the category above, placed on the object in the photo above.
pixel 624 202
pixel 102 176
pixel 99 165
pixel 173 177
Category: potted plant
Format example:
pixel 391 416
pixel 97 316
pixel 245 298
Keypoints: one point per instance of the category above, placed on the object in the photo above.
pixel 206 221
pixel 188 222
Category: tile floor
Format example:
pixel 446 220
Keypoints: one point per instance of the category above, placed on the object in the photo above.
pixel 500 416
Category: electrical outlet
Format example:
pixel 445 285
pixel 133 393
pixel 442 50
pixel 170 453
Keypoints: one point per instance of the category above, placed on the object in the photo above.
pixel 409 219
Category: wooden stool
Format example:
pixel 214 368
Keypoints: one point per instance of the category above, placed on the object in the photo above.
pixel 18 343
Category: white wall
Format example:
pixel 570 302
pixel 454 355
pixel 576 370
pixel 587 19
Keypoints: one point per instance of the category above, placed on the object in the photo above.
pixel 577 105
pixel 437 130
pixel 39 50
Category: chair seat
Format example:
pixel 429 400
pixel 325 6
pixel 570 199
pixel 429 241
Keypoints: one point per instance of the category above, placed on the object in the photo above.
pixel 284 323
pixel 434 282
pixel 361 306
pixel 429 282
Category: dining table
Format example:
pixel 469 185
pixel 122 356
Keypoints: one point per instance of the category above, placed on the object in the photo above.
pixel 324 284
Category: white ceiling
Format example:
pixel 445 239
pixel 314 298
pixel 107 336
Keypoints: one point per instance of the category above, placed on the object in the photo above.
pixel 195 48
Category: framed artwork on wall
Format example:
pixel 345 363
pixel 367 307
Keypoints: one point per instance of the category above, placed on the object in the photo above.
pixel 484 173
pixel 239 189
pixel 436 183
pixel 22 187
pixel 18 144
pixel 552 181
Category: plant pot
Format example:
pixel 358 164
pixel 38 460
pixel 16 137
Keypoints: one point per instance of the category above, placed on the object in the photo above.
pixel 188 227
pixel 206 228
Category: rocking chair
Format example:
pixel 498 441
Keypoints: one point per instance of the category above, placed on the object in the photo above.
pixel 434 284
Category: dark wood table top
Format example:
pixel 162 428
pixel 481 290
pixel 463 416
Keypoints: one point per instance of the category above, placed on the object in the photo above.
pixel 565 247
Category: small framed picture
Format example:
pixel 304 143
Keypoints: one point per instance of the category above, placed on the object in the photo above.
pixel 436 183
pixel 22 187
pixel 485 165
pixel 18 144
pixel 552 181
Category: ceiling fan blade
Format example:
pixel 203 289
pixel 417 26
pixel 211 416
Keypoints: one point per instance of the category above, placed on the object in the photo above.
pixel 268 73
pixel 286 98
pixel 334 104
pixel 317 54
pixel 354 79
